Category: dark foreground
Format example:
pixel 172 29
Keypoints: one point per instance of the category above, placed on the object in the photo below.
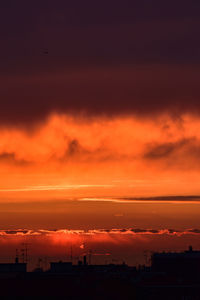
pixel 138 285
pixel 172 276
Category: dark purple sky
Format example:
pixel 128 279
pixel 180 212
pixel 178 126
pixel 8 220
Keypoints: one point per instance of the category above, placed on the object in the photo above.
pixel 104 57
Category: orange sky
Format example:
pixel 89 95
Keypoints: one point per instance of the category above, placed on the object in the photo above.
pixel 76 173
pixel 99 105
pixel 68 155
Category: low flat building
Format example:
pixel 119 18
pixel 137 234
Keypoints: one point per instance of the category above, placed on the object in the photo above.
pixel 186 263
pixel 60 267
pixel 12 268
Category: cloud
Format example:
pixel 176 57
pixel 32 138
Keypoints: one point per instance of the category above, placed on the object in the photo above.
pixel 164 150
pixel 92 232
pixel 134 59
pixel 160 151
pixel 195 230
pixel 16 232
pixel 173 198
pixel 144 91
pixel 181 153
pixel 68 152
pixel 10 158
pixel 125 243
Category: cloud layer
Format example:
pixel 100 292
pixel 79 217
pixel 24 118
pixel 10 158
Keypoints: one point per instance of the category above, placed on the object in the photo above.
pixel 72 152
pixel 83 233
pixel 98 58
pixel 100 91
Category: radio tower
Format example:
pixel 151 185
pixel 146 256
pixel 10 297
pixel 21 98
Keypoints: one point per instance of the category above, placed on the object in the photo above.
pixel 90 257
pixel 24 251
pixel 71 255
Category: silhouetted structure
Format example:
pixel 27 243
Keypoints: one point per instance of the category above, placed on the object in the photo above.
pixel 85 260
pixel 172 276
pixel 60 267
pixel 13 268
pixel 186 263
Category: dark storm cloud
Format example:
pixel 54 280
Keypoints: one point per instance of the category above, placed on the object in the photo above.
pixel 102 57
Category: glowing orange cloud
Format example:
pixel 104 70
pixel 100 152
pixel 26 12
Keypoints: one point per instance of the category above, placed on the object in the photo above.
pixel 101 156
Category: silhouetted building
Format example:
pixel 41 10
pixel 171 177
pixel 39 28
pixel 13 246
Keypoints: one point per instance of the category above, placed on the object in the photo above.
pixel 60 267
pixel 12 267
pixel 184 263
pixel 85 260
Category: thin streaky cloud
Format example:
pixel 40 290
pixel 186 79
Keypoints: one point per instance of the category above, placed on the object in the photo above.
pixel 56 187
pixel 170 200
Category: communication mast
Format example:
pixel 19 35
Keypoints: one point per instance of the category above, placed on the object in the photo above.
pixel 71 256
pixel 24 252
pixel 90 257
pixel 17 257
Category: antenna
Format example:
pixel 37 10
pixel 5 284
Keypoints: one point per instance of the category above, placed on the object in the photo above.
pixel 90 257
pixel 147 255
pixel 17 257
pixel 45 262
pixel 39 264
pixel 24 252
pixel 71 255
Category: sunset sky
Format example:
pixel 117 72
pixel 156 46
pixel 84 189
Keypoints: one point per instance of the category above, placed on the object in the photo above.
pixel 99 126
